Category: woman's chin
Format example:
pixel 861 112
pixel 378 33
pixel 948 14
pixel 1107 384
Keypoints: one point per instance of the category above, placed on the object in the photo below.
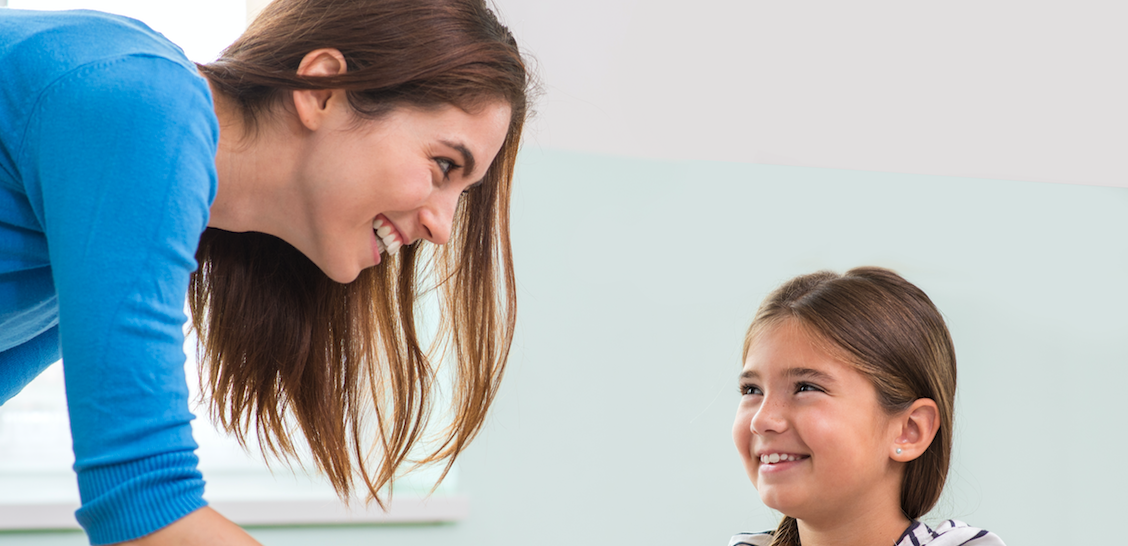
pixel 340 273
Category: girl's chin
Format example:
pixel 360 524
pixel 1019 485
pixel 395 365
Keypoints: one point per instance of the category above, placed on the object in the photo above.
pixel 783 504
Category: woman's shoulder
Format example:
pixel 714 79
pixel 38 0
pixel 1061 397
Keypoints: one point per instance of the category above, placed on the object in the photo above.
pixel 42 47
pixel 949 533
pixel 751 539
pixel 83 33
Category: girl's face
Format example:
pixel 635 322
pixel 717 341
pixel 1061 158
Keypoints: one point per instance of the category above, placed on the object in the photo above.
pixel 814 440
pixel 403 172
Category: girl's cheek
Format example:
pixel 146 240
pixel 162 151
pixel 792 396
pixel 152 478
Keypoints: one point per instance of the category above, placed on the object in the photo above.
pixel 742 429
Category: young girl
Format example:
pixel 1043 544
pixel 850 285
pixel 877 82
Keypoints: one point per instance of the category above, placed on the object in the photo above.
pixel 845 417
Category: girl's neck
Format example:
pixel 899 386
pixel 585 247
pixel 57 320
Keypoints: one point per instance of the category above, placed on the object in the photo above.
pixel 872 527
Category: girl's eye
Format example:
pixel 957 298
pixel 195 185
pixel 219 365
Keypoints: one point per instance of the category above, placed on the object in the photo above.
pixel 749 390
pixel 806 387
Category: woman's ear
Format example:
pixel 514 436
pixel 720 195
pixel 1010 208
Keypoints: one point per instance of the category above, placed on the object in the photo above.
pixel 312 105
pixel 918 426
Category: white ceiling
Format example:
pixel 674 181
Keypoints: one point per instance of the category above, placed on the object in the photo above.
pixel 1008 89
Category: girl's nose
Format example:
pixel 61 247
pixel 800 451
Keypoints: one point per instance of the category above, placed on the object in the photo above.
pixel 769 417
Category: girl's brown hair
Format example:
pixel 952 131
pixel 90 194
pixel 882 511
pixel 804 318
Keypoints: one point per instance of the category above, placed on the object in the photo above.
pixel 889 329
pixel 284 345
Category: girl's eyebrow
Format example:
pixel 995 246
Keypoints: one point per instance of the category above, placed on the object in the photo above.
pixel 808 373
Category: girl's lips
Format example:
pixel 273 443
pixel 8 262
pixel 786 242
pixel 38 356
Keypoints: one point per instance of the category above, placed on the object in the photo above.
pixel 782 466
pixel 774 462
pixel 778 467
pixel 777 456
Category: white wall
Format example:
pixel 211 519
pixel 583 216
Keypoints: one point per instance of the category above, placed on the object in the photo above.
pixel 637 278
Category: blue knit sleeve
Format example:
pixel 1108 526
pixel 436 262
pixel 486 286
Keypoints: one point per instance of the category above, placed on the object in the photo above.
pixel 118 161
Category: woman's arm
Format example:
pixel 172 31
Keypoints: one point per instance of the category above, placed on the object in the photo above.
pixel 204 527
pixel 118 162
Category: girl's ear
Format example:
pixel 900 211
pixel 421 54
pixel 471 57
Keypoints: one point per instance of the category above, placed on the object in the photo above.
pixel 312 105
pixel 918 425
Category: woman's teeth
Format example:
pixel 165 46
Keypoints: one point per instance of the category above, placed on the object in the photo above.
pixel 386 238
pixel 776 457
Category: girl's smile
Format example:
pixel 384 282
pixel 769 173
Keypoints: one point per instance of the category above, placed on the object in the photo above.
pixel 777 463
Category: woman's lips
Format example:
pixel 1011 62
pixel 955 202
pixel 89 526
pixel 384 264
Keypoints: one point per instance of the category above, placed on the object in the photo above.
pixel 388 238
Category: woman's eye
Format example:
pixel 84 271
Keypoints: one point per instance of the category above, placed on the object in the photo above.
pixel 747 390
pixel 446 166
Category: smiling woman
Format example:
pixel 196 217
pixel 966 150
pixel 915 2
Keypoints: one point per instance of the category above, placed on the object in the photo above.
pixel 304 173
pixel 360 149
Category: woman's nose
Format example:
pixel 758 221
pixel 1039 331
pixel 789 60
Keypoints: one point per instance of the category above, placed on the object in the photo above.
pixel 438 215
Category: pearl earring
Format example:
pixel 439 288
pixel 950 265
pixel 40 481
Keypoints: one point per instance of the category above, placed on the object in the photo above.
pixel 898 451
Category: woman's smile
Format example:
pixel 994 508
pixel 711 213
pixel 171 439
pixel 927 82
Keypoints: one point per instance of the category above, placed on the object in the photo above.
pixel 387 237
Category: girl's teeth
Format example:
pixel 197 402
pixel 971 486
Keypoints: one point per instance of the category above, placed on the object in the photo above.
pixel 378 223
pixel 383 230
pixel 394 247
pixel 776 457
pixel 381 246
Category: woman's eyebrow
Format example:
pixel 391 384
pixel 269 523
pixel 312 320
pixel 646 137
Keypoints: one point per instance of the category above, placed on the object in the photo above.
pixel 467 156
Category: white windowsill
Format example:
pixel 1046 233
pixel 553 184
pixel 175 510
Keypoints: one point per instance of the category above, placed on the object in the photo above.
pixel 437 509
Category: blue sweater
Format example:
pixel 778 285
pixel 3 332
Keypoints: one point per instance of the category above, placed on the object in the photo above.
pixel 107 170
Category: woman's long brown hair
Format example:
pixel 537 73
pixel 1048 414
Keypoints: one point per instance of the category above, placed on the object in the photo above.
pixel 283 344
pixel 893 334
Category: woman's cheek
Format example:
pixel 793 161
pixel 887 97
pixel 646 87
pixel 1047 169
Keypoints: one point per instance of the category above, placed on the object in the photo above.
pixel 413 191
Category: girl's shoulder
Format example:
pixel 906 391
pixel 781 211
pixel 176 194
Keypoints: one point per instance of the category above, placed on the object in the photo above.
pixel 751 539
pixel 949 533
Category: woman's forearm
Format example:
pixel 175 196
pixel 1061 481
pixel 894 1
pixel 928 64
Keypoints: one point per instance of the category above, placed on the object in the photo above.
pixel 204 527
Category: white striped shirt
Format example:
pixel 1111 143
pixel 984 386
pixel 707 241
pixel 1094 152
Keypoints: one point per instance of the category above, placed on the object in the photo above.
pixel 950 533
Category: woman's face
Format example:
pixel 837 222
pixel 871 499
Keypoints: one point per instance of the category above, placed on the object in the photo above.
pixel 403 173
pixel 814 440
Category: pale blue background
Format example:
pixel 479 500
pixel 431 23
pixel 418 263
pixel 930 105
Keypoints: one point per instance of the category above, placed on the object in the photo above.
pixel 636 281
